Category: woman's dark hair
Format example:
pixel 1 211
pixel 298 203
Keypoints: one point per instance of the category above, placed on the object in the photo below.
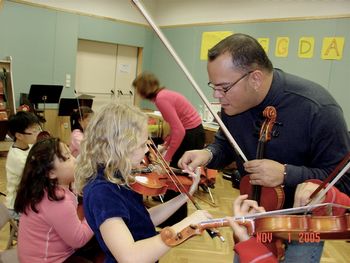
pixel 78 115
pixel 35 178
pixel 147 85
pixel 246 52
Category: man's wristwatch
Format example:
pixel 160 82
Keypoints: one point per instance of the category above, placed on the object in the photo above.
pixel 211 155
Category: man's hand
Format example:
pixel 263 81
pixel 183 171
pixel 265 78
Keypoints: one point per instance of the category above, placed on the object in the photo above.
pixel 192 159
pixel 265 172
pixel 303 193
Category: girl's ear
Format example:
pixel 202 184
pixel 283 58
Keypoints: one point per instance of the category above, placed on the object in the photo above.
pixel 52 174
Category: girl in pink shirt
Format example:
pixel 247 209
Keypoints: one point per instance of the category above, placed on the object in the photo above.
pixel 186 130
pixel 78 122
pixel 49 227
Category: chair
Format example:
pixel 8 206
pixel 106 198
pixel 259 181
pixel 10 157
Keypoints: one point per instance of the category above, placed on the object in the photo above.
pixel 8 255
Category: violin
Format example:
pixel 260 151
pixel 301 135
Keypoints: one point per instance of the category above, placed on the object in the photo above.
pixel 288 227
pixel 149 185
pixel 151 181
pixel 155 185
pixel 282 225
pixel 273 197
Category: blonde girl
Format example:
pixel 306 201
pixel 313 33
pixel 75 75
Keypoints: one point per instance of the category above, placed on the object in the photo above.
pixel 115 142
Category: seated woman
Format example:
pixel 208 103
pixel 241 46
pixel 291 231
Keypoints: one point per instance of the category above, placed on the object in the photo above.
pixel 49 227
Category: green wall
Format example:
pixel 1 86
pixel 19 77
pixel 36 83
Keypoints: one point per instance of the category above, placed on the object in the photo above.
pixel 43 43
pixel 332 74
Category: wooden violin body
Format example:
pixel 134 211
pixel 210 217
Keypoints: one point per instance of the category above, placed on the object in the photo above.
pixel 301 227
pixel 271 198
pixel 153 183
pixel 149 185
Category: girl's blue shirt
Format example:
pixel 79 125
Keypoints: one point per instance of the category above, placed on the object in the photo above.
pixel 103 200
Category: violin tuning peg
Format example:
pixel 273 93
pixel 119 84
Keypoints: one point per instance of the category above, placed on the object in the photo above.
pixel 275 133
pixel 279 123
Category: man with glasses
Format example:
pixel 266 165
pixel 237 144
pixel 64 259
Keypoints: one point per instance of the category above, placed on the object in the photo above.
pixel 310 136
pixel 24 128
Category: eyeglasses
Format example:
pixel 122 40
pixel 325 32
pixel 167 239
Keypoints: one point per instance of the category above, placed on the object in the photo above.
pixel 34 131
pixel 225 89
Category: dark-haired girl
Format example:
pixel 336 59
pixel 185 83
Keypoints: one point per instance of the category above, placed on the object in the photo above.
pixel 49 227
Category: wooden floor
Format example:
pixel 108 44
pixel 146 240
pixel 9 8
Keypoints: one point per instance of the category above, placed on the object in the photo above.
pixel 203 249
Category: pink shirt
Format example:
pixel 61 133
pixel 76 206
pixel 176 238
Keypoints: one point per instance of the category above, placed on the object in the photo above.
pixel 181 116
pixel 53 234
pixel 75 139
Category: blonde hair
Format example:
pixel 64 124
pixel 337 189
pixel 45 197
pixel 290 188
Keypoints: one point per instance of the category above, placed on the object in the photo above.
pixel 109 141
pixel 147 85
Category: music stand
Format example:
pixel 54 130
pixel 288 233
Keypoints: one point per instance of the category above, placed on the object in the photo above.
pixel 86 100
pixel 44 94
pixel 67 106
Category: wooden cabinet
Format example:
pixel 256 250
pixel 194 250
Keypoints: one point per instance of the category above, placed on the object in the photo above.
pixel 210 131
pixel 57 126
pixel 7 98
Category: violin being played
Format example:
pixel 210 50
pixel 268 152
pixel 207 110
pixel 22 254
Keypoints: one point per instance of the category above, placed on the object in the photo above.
pixel 152 179
pixel 156 183
pixel 276 223
pixel 328 220
pixel 155 178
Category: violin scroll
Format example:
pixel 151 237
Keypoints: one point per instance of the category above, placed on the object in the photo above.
pixel 270 115
pixel 172 239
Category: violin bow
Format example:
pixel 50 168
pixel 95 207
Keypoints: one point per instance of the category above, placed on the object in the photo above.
pixel 169 171
pixel 190 78
pixel 179 185
pixel 337 173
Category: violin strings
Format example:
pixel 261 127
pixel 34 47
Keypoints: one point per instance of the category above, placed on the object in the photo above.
pixel 166 168
pixel 287 211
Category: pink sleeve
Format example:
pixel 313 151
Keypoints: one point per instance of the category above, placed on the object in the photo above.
pixel 251 250
pixel 333 196
pixel 177 130
pixel 76 138
pixel 64 218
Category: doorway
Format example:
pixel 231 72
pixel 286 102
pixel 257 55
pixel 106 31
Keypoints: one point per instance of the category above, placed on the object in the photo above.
pixel 106 71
